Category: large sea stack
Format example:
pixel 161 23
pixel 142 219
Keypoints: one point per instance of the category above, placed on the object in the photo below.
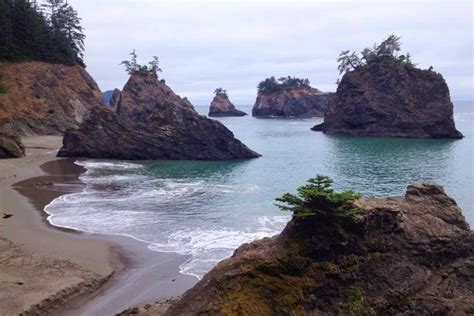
pixel 289 97
pixel 44 98
pixel 221 106
pixel 410 255
pixel 152 122
pixel 388 96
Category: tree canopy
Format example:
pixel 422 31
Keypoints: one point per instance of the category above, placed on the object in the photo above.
pixel 319 200
pixel 271 84
pixel 50 32
pixel 221 92
pixel 388 50
pixel 133 67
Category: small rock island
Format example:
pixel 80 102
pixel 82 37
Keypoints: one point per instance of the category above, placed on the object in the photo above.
pixel 289 97
pixel 151 122
pixel 221 105
pixel 384 94
pixel 343 255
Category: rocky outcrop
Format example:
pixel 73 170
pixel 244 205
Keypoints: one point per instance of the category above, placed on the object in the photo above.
pixel 299 102
pixel 11 146
pixel 221 106
pixel 389 99
pixel 42 98
pixel 411 255
pixel 114 99
pixel 152 122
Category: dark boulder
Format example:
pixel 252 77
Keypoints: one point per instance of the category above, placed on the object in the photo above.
pixel 152 122
pixel 391 99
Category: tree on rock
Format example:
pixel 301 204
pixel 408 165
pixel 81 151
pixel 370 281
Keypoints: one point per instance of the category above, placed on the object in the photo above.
pixel 221 92
pixel 133 67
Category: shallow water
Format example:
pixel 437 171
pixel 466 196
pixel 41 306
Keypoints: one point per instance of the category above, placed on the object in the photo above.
pixel 207 209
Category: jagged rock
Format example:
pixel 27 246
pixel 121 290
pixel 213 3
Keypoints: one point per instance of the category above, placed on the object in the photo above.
pixel 152 122
pixel 43 98
pixel 221 106
pixel 403 256
pixel 298 102
pixel 115 98
pixel 11 146
pixel 389 99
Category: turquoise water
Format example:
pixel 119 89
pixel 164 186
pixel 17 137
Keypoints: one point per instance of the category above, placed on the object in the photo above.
pixel 207 209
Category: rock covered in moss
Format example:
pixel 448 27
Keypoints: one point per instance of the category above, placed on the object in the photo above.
pixel 221 106
pixel 404 255
pixel 152 122
pixel 391 99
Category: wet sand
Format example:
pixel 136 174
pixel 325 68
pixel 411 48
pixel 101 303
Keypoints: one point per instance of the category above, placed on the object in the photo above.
pixel 44 268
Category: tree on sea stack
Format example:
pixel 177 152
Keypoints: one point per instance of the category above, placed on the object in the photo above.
pixel 134 68
pixel 221 92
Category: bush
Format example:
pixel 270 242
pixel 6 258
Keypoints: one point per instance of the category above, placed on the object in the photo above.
pixel 317 199
pixel 271 84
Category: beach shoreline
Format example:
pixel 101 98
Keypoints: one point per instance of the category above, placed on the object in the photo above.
pixel 75 273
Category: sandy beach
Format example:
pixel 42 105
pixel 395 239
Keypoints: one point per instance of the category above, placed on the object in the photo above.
pixel 45 269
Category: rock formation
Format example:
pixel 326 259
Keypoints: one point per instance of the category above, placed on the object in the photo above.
pixel 221 106
pixel 10 146
pixel 152 122
pixel 411 255
pixel 298 102
pixel 43 98
pixel 391 99
pixel 114 99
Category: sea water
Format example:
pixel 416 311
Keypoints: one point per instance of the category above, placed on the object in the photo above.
pixel 206 209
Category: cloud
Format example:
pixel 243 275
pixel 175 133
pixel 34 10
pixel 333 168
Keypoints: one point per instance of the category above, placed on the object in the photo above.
pixel 206 44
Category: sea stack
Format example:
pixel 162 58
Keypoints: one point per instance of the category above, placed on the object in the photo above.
pixel 386 95
pixel 221 105
pixel 289 97
pixel 399 256
pixel 152 122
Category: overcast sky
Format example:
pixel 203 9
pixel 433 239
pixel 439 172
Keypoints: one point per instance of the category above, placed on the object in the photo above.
pixel 234 45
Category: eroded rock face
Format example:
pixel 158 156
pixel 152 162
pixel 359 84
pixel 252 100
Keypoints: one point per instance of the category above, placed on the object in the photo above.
pixel 152 122
pixel 405 255
pixel 115 98
pixel 221 106
pixel 11 146
pixel 43 98
pixel 391 100
pixel 298 102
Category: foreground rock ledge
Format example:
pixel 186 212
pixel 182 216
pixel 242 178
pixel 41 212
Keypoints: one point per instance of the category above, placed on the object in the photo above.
pixel 152 122
pixel 392 100
pixel 411 255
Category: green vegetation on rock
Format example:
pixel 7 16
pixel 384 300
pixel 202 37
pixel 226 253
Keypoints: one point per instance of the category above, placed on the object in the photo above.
pixel 134 68
pixel 271 84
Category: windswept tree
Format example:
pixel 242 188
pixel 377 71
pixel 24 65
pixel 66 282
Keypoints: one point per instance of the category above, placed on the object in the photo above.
pixel 221 92
pixel 271 84
pixel 386 51
pixel 133 67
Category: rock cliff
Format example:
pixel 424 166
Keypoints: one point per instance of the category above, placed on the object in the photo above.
pixel 410 255
pixel 221 106
pixel 152 122
pixel 390 99
pixel 43 98
pixel 299 102
pixel 115 98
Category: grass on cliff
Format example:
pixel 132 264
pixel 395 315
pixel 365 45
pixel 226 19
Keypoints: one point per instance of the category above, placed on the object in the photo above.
pixel 318 199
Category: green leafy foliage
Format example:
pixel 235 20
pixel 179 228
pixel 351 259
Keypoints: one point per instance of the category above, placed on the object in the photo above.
pixel 221 92
pixel 133 67
pixel 51 32
pixel 271 84
pixel 318 199
pixel 385 52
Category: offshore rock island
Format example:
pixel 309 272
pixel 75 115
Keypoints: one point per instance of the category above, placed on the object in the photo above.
pixel 289 97
pixel 221 105
pixel 152 122
pixel 383 94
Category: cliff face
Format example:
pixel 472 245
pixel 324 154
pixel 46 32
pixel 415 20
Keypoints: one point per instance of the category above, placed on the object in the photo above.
pixel 43 98
pixel 152 122
pixel 391 100
pixel 300 102
pixel 115 98
pixel 403 255
pixel 221 106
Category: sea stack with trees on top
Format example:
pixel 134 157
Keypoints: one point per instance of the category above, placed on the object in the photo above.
pixel 289 97
pixel 383 93
pixel 341 254
pixel 221 105
pixel 151 122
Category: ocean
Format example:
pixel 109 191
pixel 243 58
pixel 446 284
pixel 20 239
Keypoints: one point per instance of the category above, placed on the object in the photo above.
pixel 206 209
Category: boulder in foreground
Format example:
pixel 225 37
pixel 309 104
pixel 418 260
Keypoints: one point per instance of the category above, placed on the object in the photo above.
pixel 401 255
pixel 152 122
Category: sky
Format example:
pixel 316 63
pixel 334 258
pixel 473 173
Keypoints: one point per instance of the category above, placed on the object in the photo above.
pixel 203 45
